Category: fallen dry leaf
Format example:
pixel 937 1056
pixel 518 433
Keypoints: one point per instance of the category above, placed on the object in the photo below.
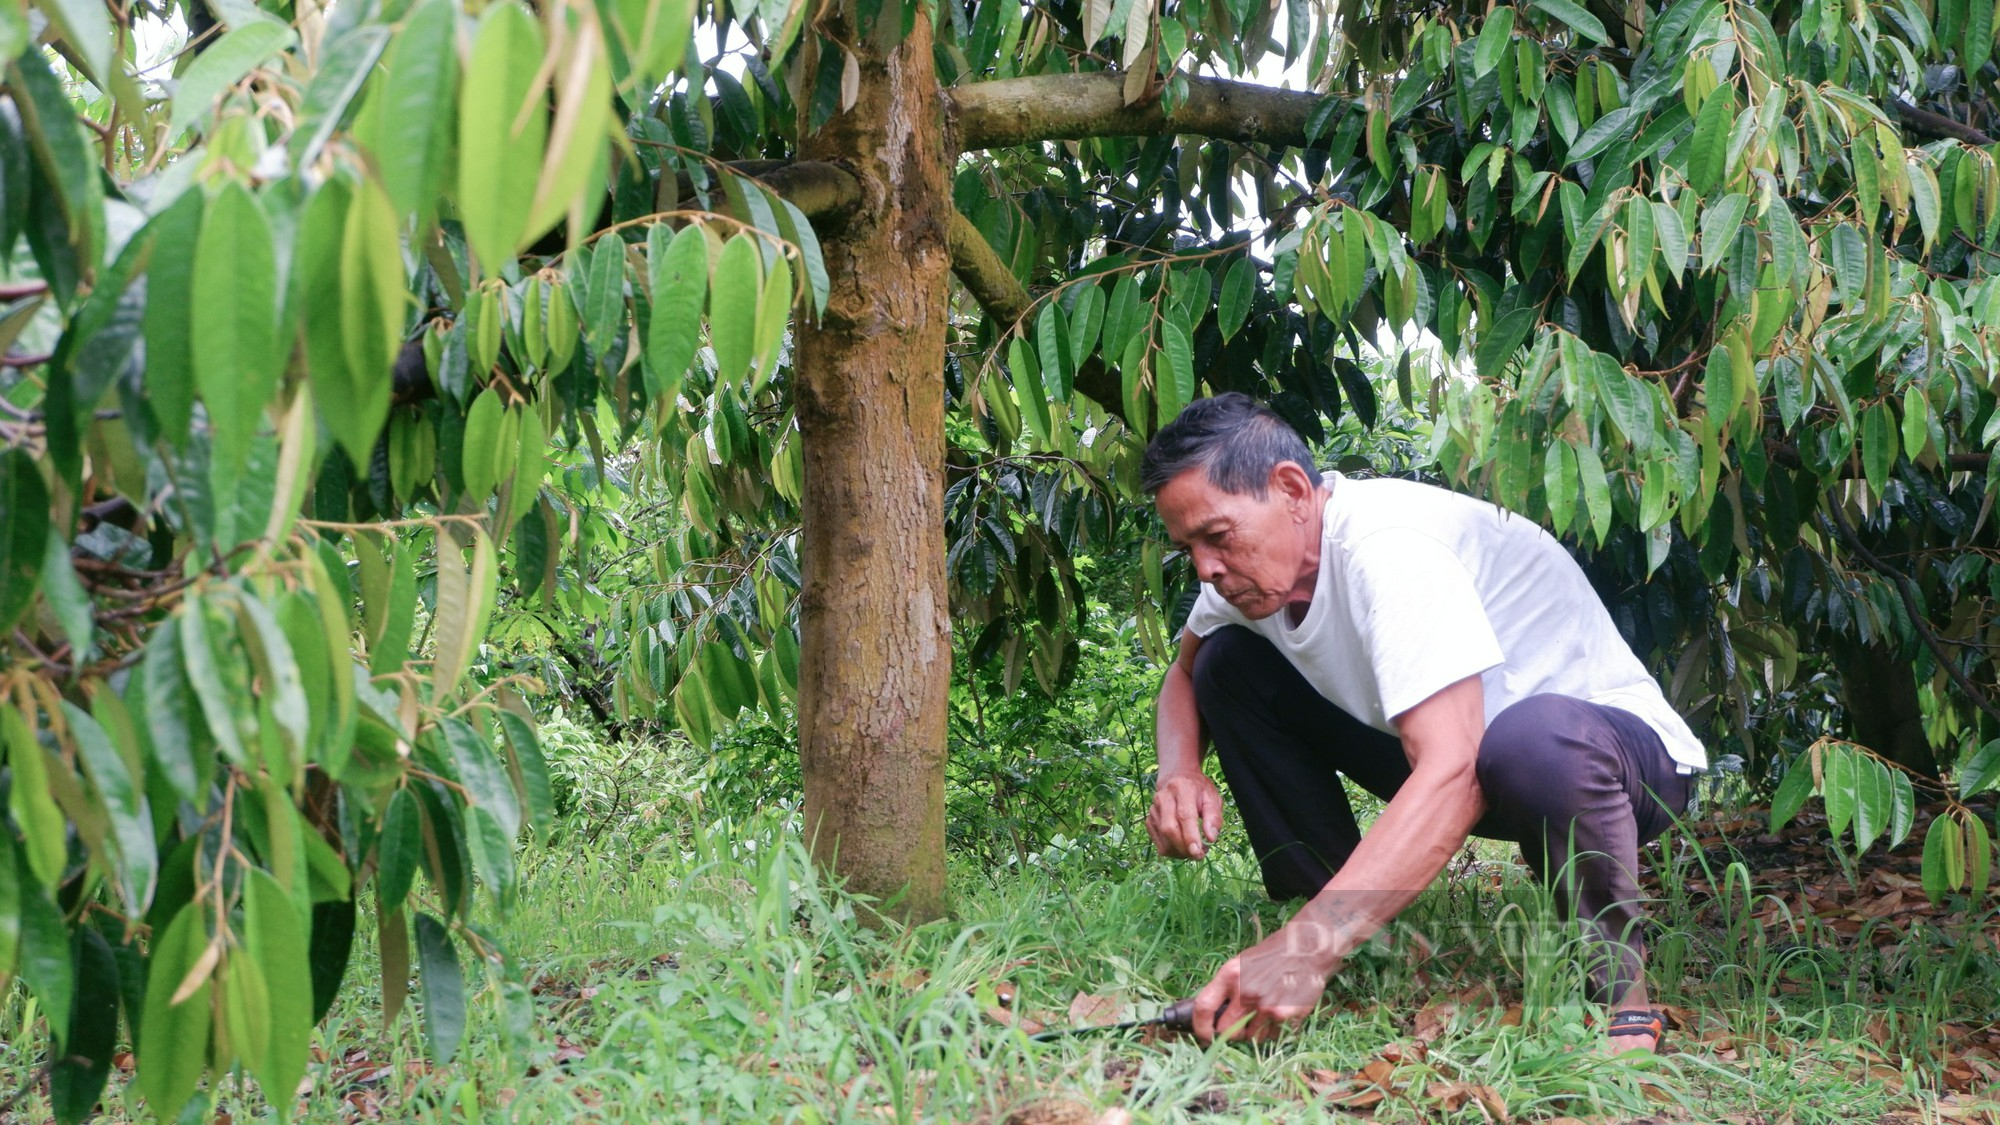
pixel 1086 1010
pixel 1451 1096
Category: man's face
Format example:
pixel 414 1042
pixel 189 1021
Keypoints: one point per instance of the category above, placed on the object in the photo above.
pixel 1254 552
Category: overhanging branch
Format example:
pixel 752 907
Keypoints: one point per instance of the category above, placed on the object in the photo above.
pixel 1006 301
pixel 1014 111
pixel 815 187
pixel 1001 294
pixel 1929 124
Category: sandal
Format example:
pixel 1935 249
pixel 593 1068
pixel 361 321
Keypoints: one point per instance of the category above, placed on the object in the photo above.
pixel 1639 1021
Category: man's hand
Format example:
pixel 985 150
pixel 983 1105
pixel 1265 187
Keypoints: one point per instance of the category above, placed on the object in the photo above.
pixel 1186 815
pixel 1275 982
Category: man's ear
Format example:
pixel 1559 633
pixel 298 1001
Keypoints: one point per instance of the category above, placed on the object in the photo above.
pixel 1291 482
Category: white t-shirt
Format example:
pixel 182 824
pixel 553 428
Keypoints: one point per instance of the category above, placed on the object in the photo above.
pixel 1420 587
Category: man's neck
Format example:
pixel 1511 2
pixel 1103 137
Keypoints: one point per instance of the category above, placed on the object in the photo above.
pixel 1313 530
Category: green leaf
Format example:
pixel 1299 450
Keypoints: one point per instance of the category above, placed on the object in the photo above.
pixel 1791 794
pixel 1028 391
pixel 1596 490
pixel 692 712
pixel 1238 286
pixel 1058 367
pixel 44 829
pixel 1839 782
pixel 1086 319
pixel 277 945
pixel 492 851
pixel 503 129
pixel 373 293
pixel 347 61
pixel 1494 38
pixel 1719 224
pixel 1627 402
pixel 1978 856
pixel 406 124
pixel 1874 796
pixel 604 305
pixel 487 784
pixel 531 772
pixel 235 320
pixel 1497 345
pixel 1924 198
pixel 67 600
pixel 1174 377
pixel 480 467
pixel 1574 14
pixel 398 850
pixel 1614 126
pixel 774 315
pixel 1944 859
pixel 169 370
pixel 1981 771
pixel 173 1038
pixel 24 533
pixel 343 404
pixel 203 673
pixel 1916 420
pixel 444 988
pixel 119 795
pixel 222 65
pixel 281 688
pixel 1878 446
pixel 735 294
pixel 679 284
pixel 12 875
pixel 1708 148
pixel 77 1080
pixel 1902 807
pixel 56 140
pixel 1121 316
pixel 1559 485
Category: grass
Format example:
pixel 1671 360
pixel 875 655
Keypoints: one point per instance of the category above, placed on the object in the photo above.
pixel 710 976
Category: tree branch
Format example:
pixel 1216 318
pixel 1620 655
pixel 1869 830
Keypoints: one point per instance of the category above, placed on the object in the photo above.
pixel 1006 301
pixel 1014 111
pixel 989 280
pixel 818 189
pixel 1937 124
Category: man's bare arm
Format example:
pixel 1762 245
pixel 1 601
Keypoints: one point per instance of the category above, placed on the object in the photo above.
pixel 1419 830
pixel 1280 978
pixel 1187 809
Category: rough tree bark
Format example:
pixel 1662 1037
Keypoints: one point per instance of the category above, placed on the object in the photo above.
pixel 874 621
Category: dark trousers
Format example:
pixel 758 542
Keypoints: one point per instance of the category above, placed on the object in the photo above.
pixel 1562 778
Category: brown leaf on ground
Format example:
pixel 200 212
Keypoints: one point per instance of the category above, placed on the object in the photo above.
pixel 1452 1096
pixel 1086 1010
pixel 1027 1023
pixel 1362 1089
pixel 1433 1019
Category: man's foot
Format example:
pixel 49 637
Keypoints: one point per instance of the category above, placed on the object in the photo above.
pixel 1634 1029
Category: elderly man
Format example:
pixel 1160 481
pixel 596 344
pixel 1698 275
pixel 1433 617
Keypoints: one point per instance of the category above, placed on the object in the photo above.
pixel 1448 656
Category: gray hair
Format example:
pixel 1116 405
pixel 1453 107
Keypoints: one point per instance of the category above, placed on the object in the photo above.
pixel 1233 438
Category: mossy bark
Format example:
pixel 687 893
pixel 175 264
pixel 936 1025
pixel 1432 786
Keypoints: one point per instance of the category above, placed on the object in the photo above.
pixel 874 616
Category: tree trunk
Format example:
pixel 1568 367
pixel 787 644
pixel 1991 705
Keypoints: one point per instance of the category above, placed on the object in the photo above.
pixel 1879 694
pixel 874 616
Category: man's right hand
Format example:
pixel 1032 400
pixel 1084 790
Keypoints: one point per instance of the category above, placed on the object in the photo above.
pixel 1186 816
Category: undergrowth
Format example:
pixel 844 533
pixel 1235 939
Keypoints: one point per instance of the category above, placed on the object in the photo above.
pixel 709 975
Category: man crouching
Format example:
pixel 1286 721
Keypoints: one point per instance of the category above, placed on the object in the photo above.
pixel 1448 656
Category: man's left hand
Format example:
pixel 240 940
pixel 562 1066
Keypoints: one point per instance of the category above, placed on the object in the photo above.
pixel 1276 982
